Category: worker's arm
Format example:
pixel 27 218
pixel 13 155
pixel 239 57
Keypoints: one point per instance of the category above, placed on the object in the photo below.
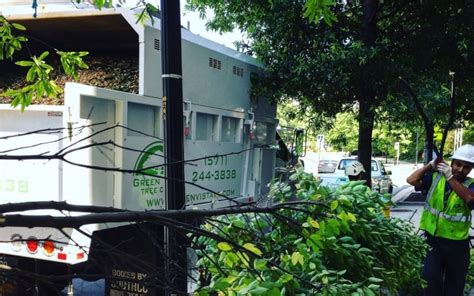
pixel 462 191
pixel 416 177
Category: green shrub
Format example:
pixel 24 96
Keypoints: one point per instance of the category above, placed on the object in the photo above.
pixel 324 243
pixel 470 275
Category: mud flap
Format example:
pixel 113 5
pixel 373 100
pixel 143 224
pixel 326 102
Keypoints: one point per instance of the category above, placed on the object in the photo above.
pixel 130 258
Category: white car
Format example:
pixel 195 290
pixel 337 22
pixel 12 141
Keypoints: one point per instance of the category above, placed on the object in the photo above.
pixel 381 180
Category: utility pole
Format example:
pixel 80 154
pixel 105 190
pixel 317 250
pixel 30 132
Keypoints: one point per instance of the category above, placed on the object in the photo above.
pixel 320 140
pixel 171 60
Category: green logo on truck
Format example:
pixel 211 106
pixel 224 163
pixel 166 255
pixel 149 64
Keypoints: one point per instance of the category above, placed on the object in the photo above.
pixel 146 178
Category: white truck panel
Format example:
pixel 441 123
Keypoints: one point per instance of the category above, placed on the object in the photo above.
pixel 219 119
pixel 19 179
pixel 35 180
pixel 145 149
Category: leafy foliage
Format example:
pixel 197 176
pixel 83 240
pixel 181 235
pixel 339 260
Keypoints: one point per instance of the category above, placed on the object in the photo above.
pixel 326 243
pixel 332 67
pixel 71 61
pixel 470 275
pixel 343 133
pixel 38 74
pixel 147 13
pixel 9 42
pixel 469 134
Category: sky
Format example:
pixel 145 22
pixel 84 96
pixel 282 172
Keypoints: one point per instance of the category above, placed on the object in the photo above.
pixel 197 26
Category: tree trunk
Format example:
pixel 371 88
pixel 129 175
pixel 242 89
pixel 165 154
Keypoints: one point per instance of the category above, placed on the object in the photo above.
pixel 367 101
pixel 369 22
pixel 366 125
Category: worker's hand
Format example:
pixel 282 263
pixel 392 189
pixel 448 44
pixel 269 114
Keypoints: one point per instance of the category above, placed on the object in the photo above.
pixel 445 169
pixel 433 163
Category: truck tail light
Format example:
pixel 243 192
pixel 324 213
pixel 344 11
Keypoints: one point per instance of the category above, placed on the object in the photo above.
pixel 62 256
pixel 48 247
pixel 16 242
pixel 32 245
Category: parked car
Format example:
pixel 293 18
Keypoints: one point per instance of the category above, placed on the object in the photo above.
pixel 327 166
pixel 381 180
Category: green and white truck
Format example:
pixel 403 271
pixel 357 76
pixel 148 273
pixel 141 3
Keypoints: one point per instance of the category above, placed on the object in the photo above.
pixel 229 144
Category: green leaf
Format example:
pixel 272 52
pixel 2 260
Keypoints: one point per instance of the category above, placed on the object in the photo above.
pixel 223 246
pixel 325 280
pixel 31 74
pixel 231 278
pixel 351 217
pixel 244 258
pixel 55 87
pixel 375 280
pixel 365 250
pixel 334 205
pixel 21 101
pixel 40 89
pixel 220 284
pixel 341 272
pixel 314 223
pixel 374 287
pixel 232 257
pixel 346 239
pixel 43 55
pixel 24 63
pixel 238 224
pixel 99 4
pixel 342 216
pixel 249 287
pixel 260 264
pixel 9 93
pixel 258 291
pixel 47 67
pixel 274 292
pixel 286 278
pixel 296 258
pixel 18 26
pixel 28 98
pixel 253 249
pixel 15 102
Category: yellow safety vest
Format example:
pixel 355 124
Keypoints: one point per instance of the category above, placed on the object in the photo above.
pixel 451 220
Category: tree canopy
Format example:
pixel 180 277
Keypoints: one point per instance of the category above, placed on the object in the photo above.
pixel 358 57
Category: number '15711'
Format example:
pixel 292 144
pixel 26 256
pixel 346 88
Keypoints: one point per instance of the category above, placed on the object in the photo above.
pixel 215 160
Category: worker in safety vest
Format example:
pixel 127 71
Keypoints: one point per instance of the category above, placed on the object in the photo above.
pixel 446 220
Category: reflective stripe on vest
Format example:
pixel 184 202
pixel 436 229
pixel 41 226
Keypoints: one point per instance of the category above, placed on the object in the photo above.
pixel 456 218
pixel 434 184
